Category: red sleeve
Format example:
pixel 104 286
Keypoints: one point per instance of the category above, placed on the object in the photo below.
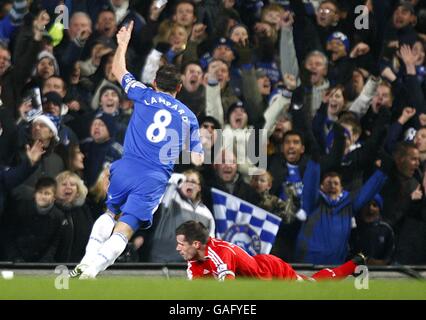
pixel 224 260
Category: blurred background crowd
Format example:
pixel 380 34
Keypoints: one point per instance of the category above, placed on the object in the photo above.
pixel 338 87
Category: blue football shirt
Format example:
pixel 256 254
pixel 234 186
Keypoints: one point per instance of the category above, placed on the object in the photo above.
pixel 160 127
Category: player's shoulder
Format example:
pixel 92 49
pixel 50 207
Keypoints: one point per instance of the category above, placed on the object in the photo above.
pixel 221 246
pixel 130 81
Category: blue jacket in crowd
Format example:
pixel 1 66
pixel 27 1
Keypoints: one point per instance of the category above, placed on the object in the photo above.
pixel 324 236
pixel 96 155
pixel 12 177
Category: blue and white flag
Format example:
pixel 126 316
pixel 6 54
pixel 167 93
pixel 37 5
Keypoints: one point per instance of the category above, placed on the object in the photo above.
pixel 244 224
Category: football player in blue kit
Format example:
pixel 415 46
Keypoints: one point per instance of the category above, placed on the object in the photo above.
pixel 160 128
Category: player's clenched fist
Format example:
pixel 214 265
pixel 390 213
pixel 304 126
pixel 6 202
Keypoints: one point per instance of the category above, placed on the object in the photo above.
pixel 123 36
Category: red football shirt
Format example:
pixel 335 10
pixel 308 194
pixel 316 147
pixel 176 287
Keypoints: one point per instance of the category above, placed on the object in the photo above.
pixel 226 260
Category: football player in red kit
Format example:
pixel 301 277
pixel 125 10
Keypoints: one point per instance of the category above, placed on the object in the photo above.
pixel 209 257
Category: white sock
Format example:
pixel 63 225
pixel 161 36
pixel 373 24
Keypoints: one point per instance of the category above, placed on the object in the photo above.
pixel 107 254
pixel 101 232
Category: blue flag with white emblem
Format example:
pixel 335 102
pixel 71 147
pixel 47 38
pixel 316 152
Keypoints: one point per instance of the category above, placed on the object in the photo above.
pixel 242 223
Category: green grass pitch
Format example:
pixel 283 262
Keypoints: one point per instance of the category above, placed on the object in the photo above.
pixel 131 287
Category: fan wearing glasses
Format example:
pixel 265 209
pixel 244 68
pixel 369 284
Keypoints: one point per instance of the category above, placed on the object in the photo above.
pixel 327 14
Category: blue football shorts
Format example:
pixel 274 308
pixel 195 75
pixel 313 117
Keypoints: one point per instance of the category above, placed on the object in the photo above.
pixel 136 191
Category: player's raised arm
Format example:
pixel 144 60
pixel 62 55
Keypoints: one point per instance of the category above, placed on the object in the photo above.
pixel 119 60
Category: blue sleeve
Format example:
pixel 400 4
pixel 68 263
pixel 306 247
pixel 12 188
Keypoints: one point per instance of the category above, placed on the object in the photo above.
pixel 392 138
pixel 195 142
pixel 311 185
pixel 170 56
pixel 6 28
pixel 373 185
pixel 133 88
pixel 318 124
pixel 15 176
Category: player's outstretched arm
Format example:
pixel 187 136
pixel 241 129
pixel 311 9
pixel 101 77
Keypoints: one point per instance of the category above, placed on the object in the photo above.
pixel 119 60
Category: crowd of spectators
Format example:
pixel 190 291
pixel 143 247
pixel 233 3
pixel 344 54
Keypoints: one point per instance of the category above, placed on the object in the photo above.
pixel 331 92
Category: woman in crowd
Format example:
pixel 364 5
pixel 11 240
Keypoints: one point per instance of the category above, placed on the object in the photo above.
pixel 71 199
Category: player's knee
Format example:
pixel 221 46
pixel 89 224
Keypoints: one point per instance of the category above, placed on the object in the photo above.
pixel 124 229
pixel 111 214
pixel 103 227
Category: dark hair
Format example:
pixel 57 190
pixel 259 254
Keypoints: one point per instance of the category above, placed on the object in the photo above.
pixel 210 119
pixel 67 154
pixel 168 78
pixel 103 9
pixel 294 133
pixel 99 75
pixel 402 148
pixel 113 88
pixel 341 88
pixel 45 182
pixel 179 2
pixel 348 115
pixel 349 119
pixel 193 231
pixel 188 63
pixel 331 174
pixel 333 2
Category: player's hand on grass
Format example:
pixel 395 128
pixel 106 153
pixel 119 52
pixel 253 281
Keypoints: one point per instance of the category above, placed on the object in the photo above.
pixel 124 35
